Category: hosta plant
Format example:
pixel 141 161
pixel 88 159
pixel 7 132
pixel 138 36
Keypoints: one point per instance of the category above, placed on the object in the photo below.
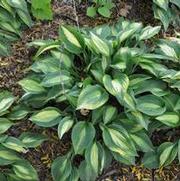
pixel 12 166
pixel 111 88
pixel 13 16
pixel 167 11
pixel 101 7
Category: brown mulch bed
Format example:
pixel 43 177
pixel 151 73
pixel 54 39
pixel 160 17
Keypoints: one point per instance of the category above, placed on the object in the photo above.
pixel 14 68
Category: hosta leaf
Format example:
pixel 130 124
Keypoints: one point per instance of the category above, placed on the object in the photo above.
pixel 14 144
pixel 83 134
pixel 149 32
pixel 139 118
pixel 170 119
pixel 7 156
pixel 24 170
pixel 92 97
pixel 31 86
pixel 6 100
pixel 18 112
pixel 92 157
pixel 176 2
pixel 64 126
pixel 48 46
pixel 4 50
pixel 101 46
pixel 150 160
pixel 167 153
pixel 163 16
pixel 72 39
pixel 2 177
pixel 47 117
pixel 169 50
pixel 117 142
pixel 128 161
pixel 121 58
pixel 61 168
pixel 5 124
pixel 129 31
pixel 74 175
pixel 142 141
pixel 32 140
pixel 118 86
pixel 150 105
pixel 86 173
pixel 179 151
pixel 109 113
pixel 56 78
pixel 162 3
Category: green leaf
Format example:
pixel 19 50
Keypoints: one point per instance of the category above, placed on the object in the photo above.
pixel 42 11
pixel 122 58
pixel 129 31
pixel 104 11
pixel 150 105
pixel 61 168
pixel 162 4
pixel 24 170
pixel 47 117
pixel 167 153
pixel 139 118
pixel 7 156
pixel 91 11
pixel 142 141
pixel 118 142
pixel 6 100
pixel 170 119
pixel 74 175
pixel 56 78
pixel 86 173
pixel 18 112
pixel 109 113
pixel 179 151
pixel 149 32
pixel 31 86
pixel 14 144
pixel 150 160
pixel 72 39
pixel 32 140
pixel 65 125
pixel 101 46
pixel 92 157
pixel 176 2
pixel 118 86
pixel 163 15
pixel 5 124
pixel 83 134
pixel 92 97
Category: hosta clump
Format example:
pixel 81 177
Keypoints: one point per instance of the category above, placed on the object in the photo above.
pixel 167 11
pixel 13 16
pixel 12 166
pixel 110 91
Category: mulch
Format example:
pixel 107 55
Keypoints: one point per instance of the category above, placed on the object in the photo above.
pixel 14 68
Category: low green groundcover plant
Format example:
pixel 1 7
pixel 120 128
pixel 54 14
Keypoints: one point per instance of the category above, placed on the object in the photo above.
pixel 13 16
pixel 16 15
pixel 101 7
pixel 167 11
pixel 13 167
pixel 111 88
